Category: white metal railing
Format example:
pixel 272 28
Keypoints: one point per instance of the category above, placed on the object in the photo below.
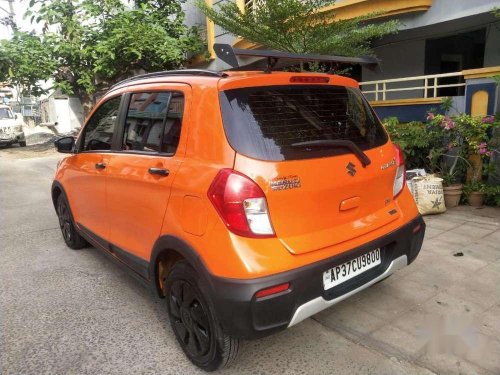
pixel 429 84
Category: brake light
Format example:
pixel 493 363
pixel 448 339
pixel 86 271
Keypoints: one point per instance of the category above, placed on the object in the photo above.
pixel 272 290
pixel 241 204
pixel 302 79
pixel 399 179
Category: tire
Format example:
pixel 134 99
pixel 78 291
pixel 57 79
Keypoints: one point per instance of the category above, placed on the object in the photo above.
pixel 193 321
pixel 22 143
pixel 67 225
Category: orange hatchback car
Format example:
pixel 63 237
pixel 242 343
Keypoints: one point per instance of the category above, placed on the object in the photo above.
pixel 249 200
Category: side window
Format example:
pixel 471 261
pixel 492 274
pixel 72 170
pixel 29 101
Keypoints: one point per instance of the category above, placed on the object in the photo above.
pixel 98 132
pixel 173 123
pixel 153 122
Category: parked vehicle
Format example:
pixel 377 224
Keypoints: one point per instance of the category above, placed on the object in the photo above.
pixel 249 200
pixel 11 127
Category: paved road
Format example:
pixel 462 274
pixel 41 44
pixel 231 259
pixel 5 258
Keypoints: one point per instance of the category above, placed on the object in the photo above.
pixel 77 312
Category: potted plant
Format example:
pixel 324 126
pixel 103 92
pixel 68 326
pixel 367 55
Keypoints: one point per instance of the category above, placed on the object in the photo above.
pixel 475 133
pixel 451 172
pixel 475 193
pixel 451 189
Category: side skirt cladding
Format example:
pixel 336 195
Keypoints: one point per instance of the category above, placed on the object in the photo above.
pixel 139 266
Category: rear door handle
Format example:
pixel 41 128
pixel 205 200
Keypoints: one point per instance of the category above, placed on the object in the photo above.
pixel 159 171
pixel 100 165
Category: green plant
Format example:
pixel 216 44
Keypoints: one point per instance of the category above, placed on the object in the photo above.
pixel 87 45
pixel 474 187
pixel 447 103
pixel 449 178
pixel 474 131
pixel 421 143
pixel 492 195
pixel 299 26
pixel 496 78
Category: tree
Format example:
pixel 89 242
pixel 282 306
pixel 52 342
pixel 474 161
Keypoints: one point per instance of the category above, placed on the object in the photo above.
pixel 297 26
pixel 24 61
pixel 92 44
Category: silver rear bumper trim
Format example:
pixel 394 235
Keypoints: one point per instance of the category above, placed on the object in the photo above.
pixel 318 304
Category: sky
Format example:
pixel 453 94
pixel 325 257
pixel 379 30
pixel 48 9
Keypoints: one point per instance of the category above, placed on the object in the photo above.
pixel 20 7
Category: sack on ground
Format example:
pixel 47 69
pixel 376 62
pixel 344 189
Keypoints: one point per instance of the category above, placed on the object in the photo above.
pixel 428 193
pixel 410 175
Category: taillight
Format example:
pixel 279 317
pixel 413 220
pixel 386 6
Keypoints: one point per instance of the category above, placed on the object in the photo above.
pixel 241 204
pixel 399 180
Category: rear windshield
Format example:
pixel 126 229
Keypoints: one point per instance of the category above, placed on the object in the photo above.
pixel 267 123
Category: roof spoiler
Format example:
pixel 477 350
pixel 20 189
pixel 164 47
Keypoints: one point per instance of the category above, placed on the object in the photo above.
pixel 228 54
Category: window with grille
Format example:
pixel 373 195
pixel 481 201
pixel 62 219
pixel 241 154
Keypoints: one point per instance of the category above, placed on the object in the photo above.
pixel 267 123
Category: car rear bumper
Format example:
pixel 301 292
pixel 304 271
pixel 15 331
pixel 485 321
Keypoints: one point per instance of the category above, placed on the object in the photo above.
pixel 242 315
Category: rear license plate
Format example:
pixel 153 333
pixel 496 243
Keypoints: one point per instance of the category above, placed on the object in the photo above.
pixel 343 272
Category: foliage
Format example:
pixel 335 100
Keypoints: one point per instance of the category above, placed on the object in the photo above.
pixel 492 195
pixel 420 142
pixel 449 145
pixel 474 187
pixel 496 78
pixel 446 104
pixel 449 177
pixel 25 60
pixel 474 132
pixel 297 26
pixel 91 44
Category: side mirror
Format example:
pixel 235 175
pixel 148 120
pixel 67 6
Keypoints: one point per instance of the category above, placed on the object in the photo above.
pixel 65 145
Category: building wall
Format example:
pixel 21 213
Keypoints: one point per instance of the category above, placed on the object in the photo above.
pixel 446 10
pixel 403 59
pixel 66 111
pixel 403 54
pixel 492 52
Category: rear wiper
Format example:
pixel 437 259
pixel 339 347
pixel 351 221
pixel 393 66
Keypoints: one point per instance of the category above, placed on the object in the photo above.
pixel 365 160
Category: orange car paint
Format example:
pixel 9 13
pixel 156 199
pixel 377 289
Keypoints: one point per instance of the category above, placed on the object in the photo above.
pixel 140 207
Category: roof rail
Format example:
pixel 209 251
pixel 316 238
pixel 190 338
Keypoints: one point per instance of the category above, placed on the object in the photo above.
pixel 228 54
pixel 167 73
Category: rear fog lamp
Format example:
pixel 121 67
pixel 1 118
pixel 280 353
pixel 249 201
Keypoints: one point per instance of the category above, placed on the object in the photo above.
pixel 272 290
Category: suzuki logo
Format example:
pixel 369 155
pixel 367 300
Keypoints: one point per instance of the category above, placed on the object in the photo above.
pixel 351 169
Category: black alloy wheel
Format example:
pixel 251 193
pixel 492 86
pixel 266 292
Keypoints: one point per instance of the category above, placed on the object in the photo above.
pixel 64 220
pixel 68 230
pixel 195 326
pixel 190 319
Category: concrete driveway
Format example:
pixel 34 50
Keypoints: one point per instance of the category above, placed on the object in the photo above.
pixel 77 312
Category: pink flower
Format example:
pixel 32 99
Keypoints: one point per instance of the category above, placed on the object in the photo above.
pixel 483 148
pixel 447 123
pixel 488 120
pixel 430 116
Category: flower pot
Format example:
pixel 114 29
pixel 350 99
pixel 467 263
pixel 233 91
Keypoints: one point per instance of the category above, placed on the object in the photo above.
pixel 452 195
pixel 476 199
